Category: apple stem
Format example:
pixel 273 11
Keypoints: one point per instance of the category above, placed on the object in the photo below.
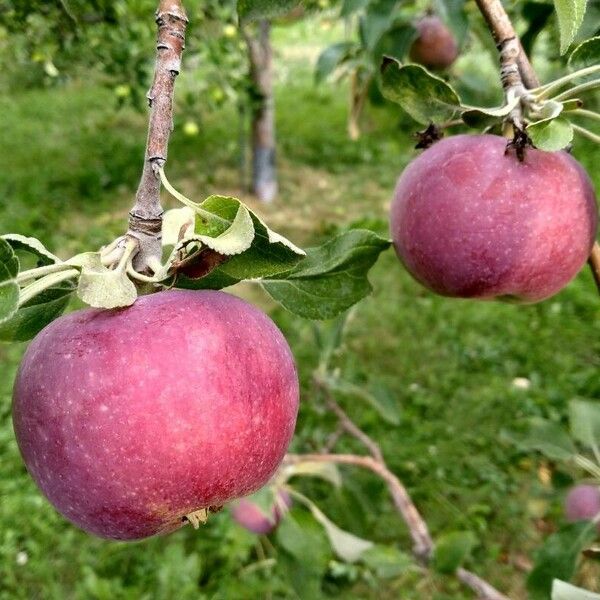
pixel 37 287
pixel 31 274
pixel 423 545
pixel 145 218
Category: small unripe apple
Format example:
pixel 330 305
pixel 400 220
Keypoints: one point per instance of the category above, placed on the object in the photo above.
pixel 191 129
pixel 435 46
pixel 471 221
pixel 229 30
pixel 129 420
pixel 582 503
pixel 251 517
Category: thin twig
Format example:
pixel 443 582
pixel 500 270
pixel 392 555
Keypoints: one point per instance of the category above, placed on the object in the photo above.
pixel 145 218
pixel 347 423
pixel 423 544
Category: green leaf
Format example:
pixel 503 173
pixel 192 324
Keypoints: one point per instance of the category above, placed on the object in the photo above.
pixel 251 10
pixel 453 13
pixel 379 397
pixel 269 253
pixel 349 7
pixel 395 42
pixel 425 97
pixel 562 590
pixel 484 117
pixel 346 545
pixel 557 558
pixel 33 316
pixel 331 58
pixel 324 470
pixel 584 417
pixel 331 278
pixel 451 550
pixel 587 54
pixel 178 224
pixel 215 280
pixel 550 134
pixel 572 104
pixel 301 537
pixel 101 287
pixel 33 246
pixel 9 288
pixel 546 437
pixel 237 238
pixel 570 15
pixel 373 25
pixel 387 561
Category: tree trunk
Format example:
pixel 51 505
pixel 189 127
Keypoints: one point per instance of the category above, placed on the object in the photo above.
pixel 264 174
pixel 359 88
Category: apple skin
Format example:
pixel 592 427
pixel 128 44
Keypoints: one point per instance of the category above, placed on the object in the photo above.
pixel 130 419
pixel 470 221
pixel 435 46
pixel 251 517
pixel 582 503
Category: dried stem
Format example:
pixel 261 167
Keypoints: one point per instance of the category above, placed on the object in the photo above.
pixel 423 546
pixel 145 218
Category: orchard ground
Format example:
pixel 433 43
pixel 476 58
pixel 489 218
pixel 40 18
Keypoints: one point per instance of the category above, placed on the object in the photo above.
pixel 71 166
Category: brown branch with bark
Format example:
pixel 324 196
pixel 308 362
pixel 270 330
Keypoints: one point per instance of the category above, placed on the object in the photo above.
pixel 502 30
pixel 145 218
pixel 423 545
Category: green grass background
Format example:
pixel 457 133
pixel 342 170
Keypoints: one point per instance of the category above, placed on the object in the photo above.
pixel 71 162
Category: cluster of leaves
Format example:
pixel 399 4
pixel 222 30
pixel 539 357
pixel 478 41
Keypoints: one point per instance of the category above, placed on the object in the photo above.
pixel 549 109
pixel 208 245
pixel 561 554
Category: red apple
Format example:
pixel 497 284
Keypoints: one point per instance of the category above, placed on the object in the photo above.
pixel 582 503
pixel 471 221
pixel 435 46
pixel 251 517
pixel 128 420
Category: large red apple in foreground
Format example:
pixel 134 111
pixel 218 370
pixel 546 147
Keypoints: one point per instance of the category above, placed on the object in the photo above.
pixel 435 46
pixel 129 420
pixel 470 221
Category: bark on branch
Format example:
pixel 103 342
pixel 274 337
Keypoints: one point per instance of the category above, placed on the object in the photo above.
pixel 145 218
pixel 502 30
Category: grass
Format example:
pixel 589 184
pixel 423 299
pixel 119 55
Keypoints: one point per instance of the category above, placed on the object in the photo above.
pixel 72 165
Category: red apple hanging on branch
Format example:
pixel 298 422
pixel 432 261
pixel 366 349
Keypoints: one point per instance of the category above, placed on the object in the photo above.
pixel 134 421
pixel 470 220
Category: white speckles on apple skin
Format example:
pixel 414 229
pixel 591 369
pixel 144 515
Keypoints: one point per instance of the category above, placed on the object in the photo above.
pixel 470 221
pixel 183 401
